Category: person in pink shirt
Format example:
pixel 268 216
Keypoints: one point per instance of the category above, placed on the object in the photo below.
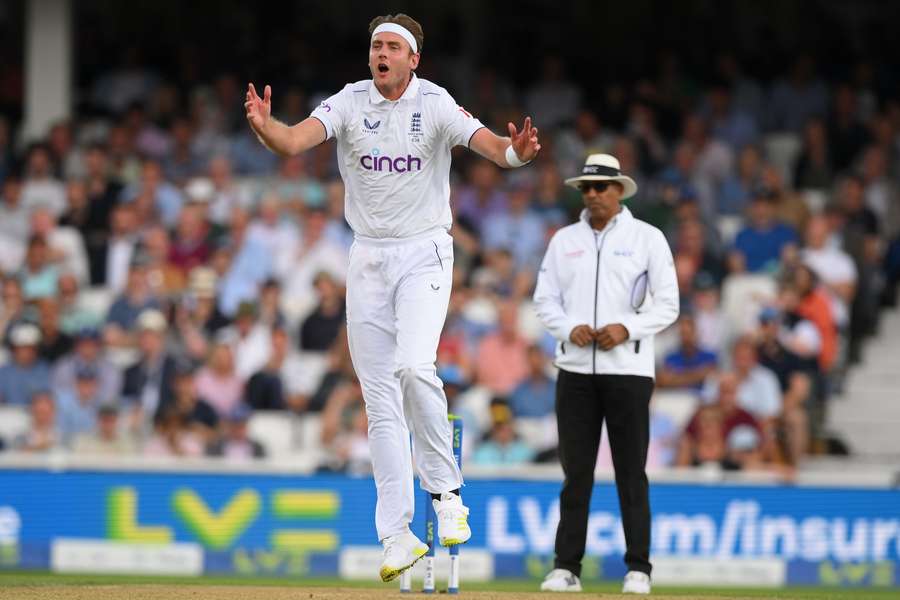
pixel 218 382
pixel 503 355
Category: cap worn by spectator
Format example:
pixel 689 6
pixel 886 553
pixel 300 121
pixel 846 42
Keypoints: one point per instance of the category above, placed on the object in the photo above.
pixel 88 333
pixel 87 373
pixel 25 334
pixel 152 320
pixel 743 438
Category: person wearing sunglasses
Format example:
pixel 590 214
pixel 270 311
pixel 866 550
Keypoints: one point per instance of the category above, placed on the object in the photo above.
pixel 606 286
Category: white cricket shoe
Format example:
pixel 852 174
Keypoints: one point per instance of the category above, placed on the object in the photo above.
pixel 561 580
pixel 636 583
pixel 453 520
pixel 400 553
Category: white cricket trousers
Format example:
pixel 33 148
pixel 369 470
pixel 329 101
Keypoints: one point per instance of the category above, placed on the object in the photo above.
pixel 398 291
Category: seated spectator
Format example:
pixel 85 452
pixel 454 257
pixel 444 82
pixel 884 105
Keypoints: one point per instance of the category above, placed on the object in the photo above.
pixel 40 186
pixel 339 372
pixel 147 384
pixel 501 446
pixel 196 412
pixel 26 373
pixel 279 235
pixel 265 390
pixel 75 312
pixel 217 381
pixel 12 307
pixel 812 303
pixel 708 316
pixel 689 365
pixel 197 318
pixel 536 395
pixel 190 247
pixel 13 224
pixel 42 434
pixel 118 253
pixel 812 169
pixel 344 428
pixel 691 244
pixel 250 340
pixel 518 229
pixel 38 275
pixel 744 449
pixel 107 437
pixel 164 278
pixel 706 435
pixel 124 311
pixel 249 264
pixel 503 355
pixel 78 406
pixel 165 198
pixel 319 330
pixel 736 190
pixel 173 437
pixel 88 352
pixel 270 314
pixel 55 343
pixel 479 197
pixel 237 445
pixel 65 245
pixel 790 207
pixel 834 267
pixel 760 245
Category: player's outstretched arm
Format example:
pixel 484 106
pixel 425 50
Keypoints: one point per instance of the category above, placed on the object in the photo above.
pixel 520 147
pixel 276 136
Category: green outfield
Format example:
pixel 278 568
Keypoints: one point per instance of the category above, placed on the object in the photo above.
pixel 28 585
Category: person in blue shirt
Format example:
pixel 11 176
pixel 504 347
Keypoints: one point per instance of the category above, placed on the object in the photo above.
pixel 26 374
pixel 760 245
pixel 78 406
pixel 502 447
pixel 689 365
pixel 536 395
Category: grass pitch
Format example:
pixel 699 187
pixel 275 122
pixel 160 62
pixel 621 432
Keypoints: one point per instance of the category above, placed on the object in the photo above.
pixel 35 586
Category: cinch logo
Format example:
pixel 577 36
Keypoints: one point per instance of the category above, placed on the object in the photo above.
pixel 401 164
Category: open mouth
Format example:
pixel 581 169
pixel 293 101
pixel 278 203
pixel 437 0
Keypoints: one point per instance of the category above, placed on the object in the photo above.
pixel 382 68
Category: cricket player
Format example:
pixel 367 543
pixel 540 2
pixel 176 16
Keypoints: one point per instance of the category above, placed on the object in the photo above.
pixel 394 135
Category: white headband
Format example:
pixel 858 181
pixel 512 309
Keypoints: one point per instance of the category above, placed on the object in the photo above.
pixel 400 30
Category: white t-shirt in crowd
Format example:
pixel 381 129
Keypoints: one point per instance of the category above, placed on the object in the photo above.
pixel 394 156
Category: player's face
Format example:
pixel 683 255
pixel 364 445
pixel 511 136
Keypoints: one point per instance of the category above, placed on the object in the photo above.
pixel 391 60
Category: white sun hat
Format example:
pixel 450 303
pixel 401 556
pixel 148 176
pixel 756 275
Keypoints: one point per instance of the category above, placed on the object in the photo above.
pixel 604 167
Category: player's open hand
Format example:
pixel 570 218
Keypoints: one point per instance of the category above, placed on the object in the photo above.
pixel 258 109
pixel 525 142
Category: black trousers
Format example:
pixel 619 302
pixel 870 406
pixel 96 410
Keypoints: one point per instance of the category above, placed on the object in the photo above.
pixel 583 403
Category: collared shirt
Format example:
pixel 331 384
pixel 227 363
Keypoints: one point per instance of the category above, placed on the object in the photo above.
pixel 394 156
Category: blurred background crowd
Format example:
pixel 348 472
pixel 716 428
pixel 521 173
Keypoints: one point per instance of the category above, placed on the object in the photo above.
pixel 171 288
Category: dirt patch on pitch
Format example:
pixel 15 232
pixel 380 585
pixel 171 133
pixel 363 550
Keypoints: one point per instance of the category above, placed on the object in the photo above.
pixel 240 592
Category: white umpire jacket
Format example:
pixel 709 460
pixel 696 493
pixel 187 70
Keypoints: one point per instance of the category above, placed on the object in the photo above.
pixel 623 274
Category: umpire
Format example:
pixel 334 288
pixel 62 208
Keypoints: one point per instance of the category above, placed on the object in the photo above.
pixel 606 286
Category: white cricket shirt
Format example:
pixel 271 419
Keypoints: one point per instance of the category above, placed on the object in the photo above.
pixel 394 156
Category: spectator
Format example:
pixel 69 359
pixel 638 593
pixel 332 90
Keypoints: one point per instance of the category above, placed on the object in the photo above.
pixel 12 309
pixel 55 343
pixel 88 353
pixel 164 279
pixel 689 365
pixel 250 340
pixel 76 312
pixel 270 313
pixel 502 446
pixel 517 229
pixel 40 187
pixel 763 242
pixel 120 247
pixel 173 437
pixel 812 170
pixel 798 98
pixel 225 193
pixel 813 304
pixel 552 99
pixel 250 264
pixel 713 161
pixel 708 316
pixel 503 355
pixel 189 401
pixel 79 406
pixel 692 245
pixel 26 374
pixel 736 190
pixel 480 197
pixel 237 445
pixel 190 246
pixel 136 300
pixel 65 246
pixel 728 123
pixel 585 137
pixel 846 136
pixel 38 275
pixel 217 381
pixel 164 198
pixel 92 217
pixel 706 435
pixel 278 235
pixel 107 438
pixel 535 396
pixel 790 208
pixel 42 434
pixel 319 330
pixel 147 384
pixel 834 267
pixel 13 224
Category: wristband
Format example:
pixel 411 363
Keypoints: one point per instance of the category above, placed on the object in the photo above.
pixel 513 159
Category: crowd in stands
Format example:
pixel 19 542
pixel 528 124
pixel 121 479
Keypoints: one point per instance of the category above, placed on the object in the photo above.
pixel 167 280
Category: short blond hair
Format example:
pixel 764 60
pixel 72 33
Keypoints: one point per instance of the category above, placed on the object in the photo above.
pixel 403 20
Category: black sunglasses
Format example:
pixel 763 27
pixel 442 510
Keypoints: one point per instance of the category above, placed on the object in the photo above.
pixel 598 186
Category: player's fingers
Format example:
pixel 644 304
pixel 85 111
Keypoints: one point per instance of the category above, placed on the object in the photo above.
pixel 267 94
pixel 512 130
pixel 534 132
pixel 252 91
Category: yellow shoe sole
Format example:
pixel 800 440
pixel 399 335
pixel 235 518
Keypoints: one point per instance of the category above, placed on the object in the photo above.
pixel 388 574
pixel 452 542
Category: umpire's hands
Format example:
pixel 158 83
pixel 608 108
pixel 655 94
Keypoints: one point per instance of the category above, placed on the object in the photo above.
pixel 582 335
pixel 610 336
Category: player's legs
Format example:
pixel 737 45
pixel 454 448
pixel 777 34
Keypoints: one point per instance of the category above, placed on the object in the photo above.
pixel 422 298
pixel 372 338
